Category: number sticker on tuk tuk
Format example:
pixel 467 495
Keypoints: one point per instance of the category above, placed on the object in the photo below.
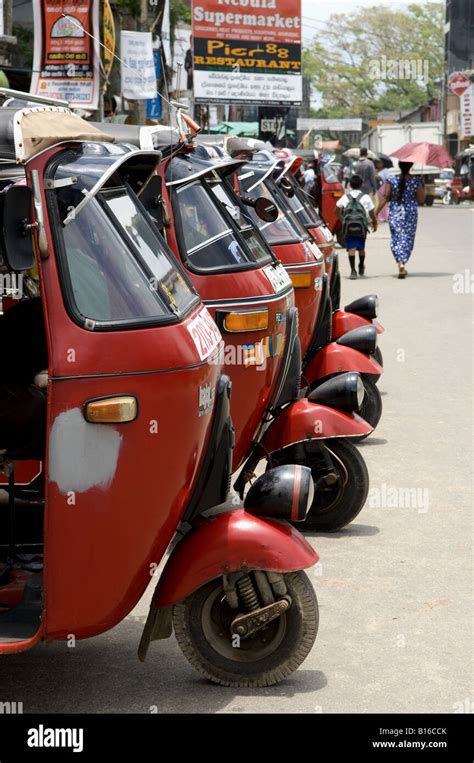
pixel 278 277
pixel 205 334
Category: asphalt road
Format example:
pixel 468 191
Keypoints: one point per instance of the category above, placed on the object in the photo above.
pixel 395 587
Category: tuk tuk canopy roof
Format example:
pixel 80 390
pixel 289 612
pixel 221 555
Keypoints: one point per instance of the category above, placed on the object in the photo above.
pixel 203 160
pixel 25 133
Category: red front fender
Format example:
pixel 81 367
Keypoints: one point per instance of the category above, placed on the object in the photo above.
pixel 304 420
pixel 342 322
pixel 337 359
pixel 230 542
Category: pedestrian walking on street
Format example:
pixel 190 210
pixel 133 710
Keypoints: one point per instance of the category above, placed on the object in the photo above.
pixel 354 210
pixel 365 168
pixel 404 192
pixel 381 177
pixel 309 177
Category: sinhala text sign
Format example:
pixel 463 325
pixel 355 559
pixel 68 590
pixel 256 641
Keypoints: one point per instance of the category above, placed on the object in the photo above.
pixel 247 51
pixel 66 58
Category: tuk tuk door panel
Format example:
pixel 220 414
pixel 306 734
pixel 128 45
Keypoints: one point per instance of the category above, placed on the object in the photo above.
pixel 116 492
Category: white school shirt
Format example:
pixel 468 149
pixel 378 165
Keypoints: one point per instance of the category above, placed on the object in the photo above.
pixel 365 200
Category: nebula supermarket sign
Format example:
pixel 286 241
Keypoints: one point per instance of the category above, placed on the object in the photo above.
pixel 247 51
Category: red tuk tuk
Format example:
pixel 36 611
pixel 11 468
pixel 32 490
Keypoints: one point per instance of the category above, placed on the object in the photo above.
pixel 322 358
pixel 462 185
pixel 251 297
pixel 135 403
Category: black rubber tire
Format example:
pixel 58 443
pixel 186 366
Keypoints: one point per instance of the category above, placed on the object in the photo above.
pixel 378 356
pixel 354 494
pixel 296 636
pixel 429 201
pixel 371 409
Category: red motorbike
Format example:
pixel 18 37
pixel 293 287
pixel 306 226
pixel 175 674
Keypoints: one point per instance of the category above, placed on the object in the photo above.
pixel 132 424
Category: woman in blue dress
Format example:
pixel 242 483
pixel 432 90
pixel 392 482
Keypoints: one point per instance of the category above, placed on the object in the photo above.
pixel 404 192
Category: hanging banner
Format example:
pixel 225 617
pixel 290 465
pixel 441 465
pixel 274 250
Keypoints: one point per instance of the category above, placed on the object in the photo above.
pixel 66 59
pixel 108 29
pixel 247 52
pixel 154 105
pixel 138 67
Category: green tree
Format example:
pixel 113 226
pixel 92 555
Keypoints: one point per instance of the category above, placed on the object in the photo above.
pixel 180 12
pixel 377 59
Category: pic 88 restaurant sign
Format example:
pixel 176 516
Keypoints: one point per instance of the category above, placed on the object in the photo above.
pixel 247 51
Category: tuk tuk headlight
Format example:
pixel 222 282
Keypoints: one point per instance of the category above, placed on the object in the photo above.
pixel 360 391
pixel 363 339
pixel 285 492
pixel 345 392
pixel 365 307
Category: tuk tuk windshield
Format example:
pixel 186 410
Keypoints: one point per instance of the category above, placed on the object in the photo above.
pixel 280 231
pixel 247 229
pixel 117 268
pixel 304 211
pixel 210 241
pixel 330 173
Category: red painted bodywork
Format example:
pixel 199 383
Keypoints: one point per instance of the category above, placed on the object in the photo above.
pixel 336 359
pixel 342 322
pixel 304 420
pixel 233 541
pixel 331 193
pixel 98 551
pixel 252 386
pixel 100 548
pixel 297 258
pixel 328 248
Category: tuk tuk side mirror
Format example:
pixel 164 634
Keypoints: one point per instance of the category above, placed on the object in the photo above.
pixel 265 209
pixel 152 199
pixel 17 228
pixel 287 187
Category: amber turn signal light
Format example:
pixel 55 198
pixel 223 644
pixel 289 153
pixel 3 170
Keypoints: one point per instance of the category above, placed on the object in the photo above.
pixel 111 410
pixel 300 280
pixel 257 320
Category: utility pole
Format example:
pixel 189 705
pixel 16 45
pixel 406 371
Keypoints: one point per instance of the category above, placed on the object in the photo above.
pixel 140 105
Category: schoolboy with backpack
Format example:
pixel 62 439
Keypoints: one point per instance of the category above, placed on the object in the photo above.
pixel 354 209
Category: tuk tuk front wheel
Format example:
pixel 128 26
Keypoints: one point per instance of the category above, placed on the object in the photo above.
pixel 202 626
pixel 340 500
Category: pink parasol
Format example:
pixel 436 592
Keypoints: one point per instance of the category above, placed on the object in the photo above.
pixel 424 153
